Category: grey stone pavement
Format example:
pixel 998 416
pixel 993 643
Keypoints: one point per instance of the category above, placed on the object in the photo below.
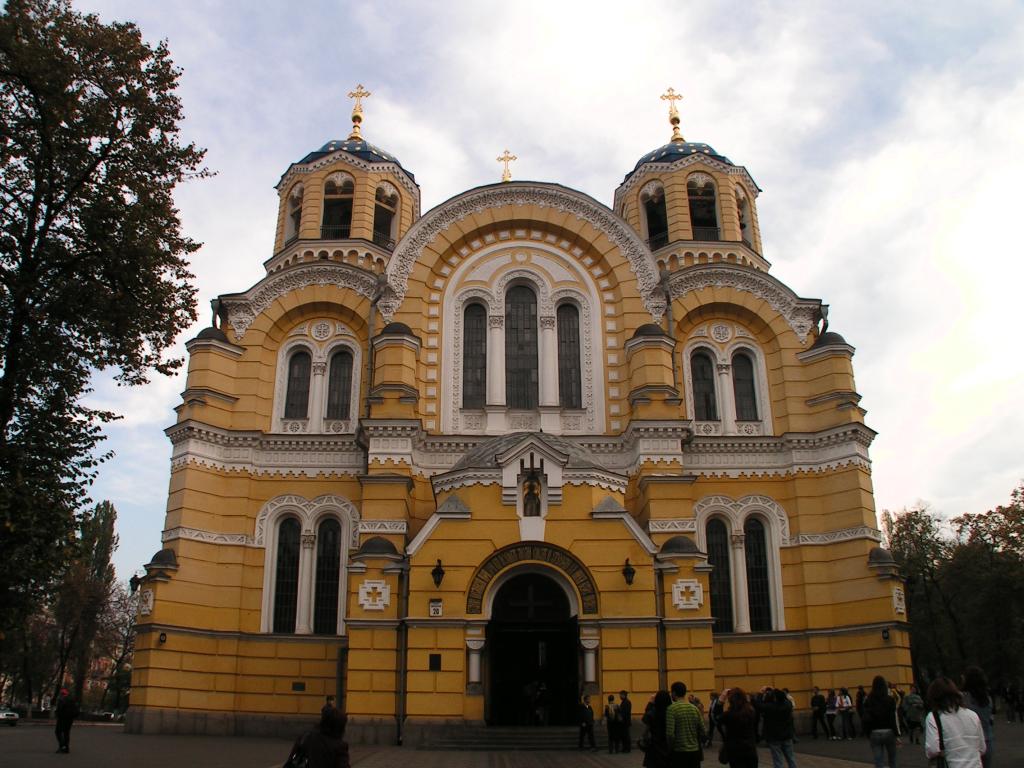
pixel 101 746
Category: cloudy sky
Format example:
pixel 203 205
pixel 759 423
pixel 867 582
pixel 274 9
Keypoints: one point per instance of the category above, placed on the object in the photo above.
pixel 887 138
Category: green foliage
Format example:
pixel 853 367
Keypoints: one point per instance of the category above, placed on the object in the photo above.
pixel 965 588
pixel 93 269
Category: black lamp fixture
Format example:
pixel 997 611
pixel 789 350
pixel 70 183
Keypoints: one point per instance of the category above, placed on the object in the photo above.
pixel 438 573
pixel 628 573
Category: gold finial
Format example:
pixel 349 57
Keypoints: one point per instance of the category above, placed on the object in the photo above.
pixel 673 114
pixel 358 94
pixel 506 159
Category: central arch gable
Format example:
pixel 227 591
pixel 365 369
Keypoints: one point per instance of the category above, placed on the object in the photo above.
pixel 521 194
pixel 534 552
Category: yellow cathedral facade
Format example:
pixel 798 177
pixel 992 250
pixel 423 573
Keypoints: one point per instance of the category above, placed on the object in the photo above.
pixel 459 467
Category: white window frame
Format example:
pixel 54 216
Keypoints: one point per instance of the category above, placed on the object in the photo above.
pixel 316 421
pixel 721 354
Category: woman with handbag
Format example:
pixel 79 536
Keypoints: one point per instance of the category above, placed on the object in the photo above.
pixel 879 719
pixel 952 733
pixel 739 744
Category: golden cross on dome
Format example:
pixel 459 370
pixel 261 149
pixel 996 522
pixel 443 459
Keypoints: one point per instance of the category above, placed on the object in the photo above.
pixel 358 94
pixel 673 114
pixel 506 159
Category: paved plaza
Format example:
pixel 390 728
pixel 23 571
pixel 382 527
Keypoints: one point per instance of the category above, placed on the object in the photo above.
pixel 101 746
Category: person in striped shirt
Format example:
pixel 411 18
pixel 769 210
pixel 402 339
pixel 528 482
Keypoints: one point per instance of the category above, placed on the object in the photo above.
pixel 684 730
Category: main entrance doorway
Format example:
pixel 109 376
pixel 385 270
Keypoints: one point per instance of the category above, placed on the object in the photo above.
pixel 533 659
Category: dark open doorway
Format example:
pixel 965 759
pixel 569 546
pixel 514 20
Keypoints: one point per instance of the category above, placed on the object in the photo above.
pixel 533 658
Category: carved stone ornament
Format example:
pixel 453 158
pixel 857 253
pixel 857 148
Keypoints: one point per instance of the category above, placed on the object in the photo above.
pixel 720 332
pixel 308 512
pixel 388 189
pixel 495 321
pixel 146 602
pixel 535 552
pixel 547 322
pixel 899 601
pixel 737 511
pixel 700 179
pixel 687 594
pixel 321 330
pixel 244 308
pixel 374 595
pixel 519 194
pixel 652 190
pixel 800 314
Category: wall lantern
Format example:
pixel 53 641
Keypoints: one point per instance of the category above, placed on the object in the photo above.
pixel 438 574
pixel 163 637
pixel 885 634
pixel 628 573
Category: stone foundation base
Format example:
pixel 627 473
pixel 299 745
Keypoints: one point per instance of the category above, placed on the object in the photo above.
pixel 150 720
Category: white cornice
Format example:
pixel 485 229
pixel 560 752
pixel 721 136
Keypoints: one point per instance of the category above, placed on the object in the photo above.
pixel 801 314
pixel 243 308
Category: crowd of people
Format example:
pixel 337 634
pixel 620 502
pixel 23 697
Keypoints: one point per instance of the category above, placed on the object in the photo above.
pixel 952 721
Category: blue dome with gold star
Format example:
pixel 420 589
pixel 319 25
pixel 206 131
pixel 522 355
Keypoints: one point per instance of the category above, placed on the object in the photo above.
pixel 364 150
pixel 676 150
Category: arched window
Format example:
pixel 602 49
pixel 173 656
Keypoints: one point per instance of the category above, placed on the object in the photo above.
pixel 721 577
pixel 328 570
pixel 700 189
pixel 337 220
pixel 743 211
pixel 743 387
pixel 758 587
pixel 474 356
pixel 521 380
pixel 384 210
pixel 653 200
pixel 293 218
pixel 296 404
pixel 286 581
pixel 570 385
pixel 339 386
pixel 703 371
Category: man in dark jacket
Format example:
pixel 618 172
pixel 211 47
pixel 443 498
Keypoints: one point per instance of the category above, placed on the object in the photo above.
pixel 777 712
pixel 67 711
pixel 325 745
pixel 625 721
pixel 818 705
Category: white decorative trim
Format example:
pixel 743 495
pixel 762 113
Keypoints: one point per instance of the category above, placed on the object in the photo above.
pixel 263 455
pixel 146 602
pixel 374 595
pixel 834 537
pixel 243 308
pixel 207 537
pixel 671 526
pixel 700 178
pixel 383 526
pixel 339 178
pixel 738 511
pixel 388 189
pixel 519 194
pixel 687 594
pixel 308 511
pixel 801 314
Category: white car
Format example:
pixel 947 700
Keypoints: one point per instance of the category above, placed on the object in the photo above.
pixel 9 717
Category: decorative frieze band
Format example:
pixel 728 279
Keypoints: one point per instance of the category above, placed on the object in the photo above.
pixel 689 525
pixel 383 526
pixel 208 537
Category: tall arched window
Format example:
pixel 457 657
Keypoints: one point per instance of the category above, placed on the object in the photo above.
pixel 721 576
pixel 286 581
pixel 474 356
pixel 758 587
pixel 521 380
pixel 743 387
pixel 653 200
pixel 700 189
pixel 337 220
pixel 703 371
pixel 384 210
pixel 296 403
pixel 339 386
pixel 328 570
pixel 743 211
pixel 570 384
pixel 293 218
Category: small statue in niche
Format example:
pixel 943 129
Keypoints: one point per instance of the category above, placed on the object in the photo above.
pixel 532 488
